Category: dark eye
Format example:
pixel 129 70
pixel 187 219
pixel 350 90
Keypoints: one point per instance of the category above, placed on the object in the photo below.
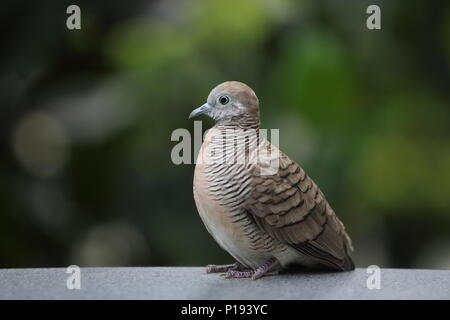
pixel 224 100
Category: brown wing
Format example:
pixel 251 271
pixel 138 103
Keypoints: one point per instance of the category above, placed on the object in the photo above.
pixel 291 208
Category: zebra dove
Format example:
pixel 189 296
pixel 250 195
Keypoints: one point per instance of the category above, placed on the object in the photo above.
pixel 265 219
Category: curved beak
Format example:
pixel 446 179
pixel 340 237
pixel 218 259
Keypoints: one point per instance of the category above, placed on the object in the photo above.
pixel 201 110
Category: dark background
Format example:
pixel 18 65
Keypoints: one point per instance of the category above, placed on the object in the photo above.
pixel 86 118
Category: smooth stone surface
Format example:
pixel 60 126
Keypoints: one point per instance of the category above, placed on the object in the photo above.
pixel 194 283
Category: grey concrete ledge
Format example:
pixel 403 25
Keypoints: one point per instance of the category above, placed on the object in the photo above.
pixel 194 283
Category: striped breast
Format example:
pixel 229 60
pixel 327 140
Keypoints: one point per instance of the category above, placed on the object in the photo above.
pixel 222 183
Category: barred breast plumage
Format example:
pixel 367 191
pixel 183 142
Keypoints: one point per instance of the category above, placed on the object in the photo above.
pixel 266 221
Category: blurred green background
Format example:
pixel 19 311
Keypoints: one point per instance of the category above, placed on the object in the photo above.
pixel 86 118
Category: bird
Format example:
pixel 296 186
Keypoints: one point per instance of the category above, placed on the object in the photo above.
pixel 267 217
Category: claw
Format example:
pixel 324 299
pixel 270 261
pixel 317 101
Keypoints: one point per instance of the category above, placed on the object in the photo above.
pixel 261 271
pixel 212 268
pixel 238 274
pixel 257 276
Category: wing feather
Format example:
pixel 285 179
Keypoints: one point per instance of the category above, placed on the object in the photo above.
pixel 291 208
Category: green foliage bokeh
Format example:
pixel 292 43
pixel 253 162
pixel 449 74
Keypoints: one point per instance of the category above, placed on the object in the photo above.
pixel 87 115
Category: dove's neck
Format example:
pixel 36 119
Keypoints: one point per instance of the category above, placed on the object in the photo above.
pixel 234 144
pixel 243 122
pixel 242 131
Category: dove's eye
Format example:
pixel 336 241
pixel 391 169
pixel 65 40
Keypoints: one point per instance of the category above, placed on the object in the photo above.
pixel 223 100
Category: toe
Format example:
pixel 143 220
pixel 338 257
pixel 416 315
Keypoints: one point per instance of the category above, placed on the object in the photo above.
pixel 209 268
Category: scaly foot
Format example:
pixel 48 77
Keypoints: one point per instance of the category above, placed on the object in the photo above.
pixel 261 271
pixel 212 268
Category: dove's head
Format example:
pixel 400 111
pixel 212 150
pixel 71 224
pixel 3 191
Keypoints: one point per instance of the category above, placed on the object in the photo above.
pixel 231 101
